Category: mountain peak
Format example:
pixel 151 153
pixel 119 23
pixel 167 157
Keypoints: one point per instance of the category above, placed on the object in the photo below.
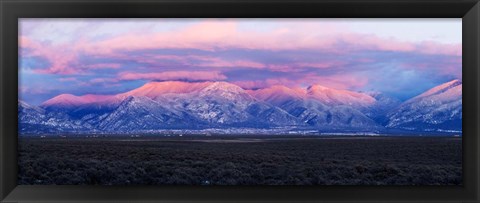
pixel 70 100
pixel 339 97
pixel 438 108
pixel 225 86
pixel 277 94
pixel 440 88
pixel 155 89
pixel 317 87
pixel 63 100
pixel 163 105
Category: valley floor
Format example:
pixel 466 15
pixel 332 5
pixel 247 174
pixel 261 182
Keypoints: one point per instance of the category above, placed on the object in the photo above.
pixel 195 160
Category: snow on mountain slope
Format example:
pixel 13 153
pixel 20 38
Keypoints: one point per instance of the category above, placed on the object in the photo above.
pixel 86 110
pixel 336 97
pixel 222 103
pixel 327 96
pixel 439 108
pixel 35 120
pixel 215 104
pixel 226 93
pixel 30 114
pixel 384 104
pixel 155 89
pixel 266 116
pixel 198 105
pixel 150 90
pixel 441 89
pixel 316 114
pixel 69 100
pixel 278 94
pixel 142 113
pixel 321 107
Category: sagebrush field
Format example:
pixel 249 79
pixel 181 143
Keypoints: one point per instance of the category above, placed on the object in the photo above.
pixel 195 160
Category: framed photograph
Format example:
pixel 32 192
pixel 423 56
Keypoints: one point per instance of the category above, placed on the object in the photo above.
pixel 253 101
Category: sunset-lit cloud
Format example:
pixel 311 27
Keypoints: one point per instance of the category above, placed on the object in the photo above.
pixel 174 75
pixel 112 55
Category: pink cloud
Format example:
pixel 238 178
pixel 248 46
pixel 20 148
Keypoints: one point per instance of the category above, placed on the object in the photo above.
pixel 225 35
pixel 204 35
pixel 321 65
pixel 213 35
pixel 209 36
pixel 220 63
pixel 60 56
pixel 104 66
pixel 186 60
pixel 174 75
pixel 25 42
pixel 430 47
pixel 215 62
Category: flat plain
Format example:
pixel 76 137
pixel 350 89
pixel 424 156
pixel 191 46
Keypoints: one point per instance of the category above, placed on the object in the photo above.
pixel 240 160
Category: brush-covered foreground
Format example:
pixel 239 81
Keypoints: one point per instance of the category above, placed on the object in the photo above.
pixel 196 160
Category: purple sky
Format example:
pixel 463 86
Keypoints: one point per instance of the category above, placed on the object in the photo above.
pixel 400 57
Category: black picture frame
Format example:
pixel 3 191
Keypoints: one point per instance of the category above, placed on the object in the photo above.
pixel 12 10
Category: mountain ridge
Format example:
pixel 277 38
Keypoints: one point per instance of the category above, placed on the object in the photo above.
pixel 438 107
pixel 201 105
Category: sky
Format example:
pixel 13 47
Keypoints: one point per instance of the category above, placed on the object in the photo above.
pixel 399 57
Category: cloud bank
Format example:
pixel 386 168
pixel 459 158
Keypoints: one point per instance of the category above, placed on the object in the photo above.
pixel 117 55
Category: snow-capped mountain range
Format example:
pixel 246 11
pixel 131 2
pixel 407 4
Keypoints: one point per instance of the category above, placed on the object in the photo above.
pixel 176 105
